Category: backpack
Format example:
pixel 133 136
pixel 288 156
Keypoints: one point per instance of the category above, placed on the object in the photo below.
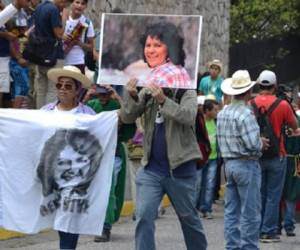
pixel 266 129
pixel 41 50
pixel 201 132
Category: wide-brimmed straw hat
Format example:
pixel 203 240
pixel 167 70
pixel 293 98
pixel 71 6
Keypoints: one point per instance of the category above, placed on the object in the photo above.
pixel 216 62
pixel 239 83
pixel 69 71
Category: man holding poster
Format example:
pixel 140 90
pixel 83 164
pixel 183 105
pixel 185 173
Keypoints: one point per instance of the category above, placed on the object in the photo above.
pixel 170 148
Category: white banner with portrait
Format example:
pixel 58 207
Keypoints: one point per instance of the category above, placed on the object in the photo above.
pixel 55 170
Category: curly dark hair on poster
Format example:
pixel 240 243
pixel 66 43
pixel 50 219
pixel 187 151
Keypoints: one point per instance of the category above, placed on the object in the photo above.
pixel 82 142
pixel 169 34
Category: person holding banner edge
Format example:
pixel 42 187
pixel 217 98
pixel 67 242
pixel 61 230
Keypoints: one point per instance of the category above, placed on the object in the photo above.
pixel 68 81
pixel 170 146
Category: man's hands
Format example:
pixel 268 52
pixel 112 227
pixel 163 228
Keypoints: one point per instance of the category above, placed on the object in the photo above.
pixel 266 143
pixel 295 132
pixel 157 93
pixel 131 88
pixel 9 36
pixel 22 62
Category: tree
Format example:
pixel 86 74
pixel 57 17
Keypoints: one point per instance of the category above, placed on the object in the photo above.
pixel 263 19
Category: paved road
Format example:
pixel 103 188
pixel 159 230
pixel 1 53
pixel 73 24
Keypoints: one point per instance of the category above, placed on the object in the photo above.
pixel 168 236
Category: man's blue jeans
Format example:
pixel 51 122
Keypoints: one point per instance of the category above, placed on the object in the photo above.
pixel 242 204
pixel 207 188
pixel 273 176
pixel 289 216
pixel 181 191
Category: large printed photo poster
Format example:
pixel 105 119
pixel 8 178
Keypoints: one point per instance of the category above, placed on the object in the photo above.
pixel 55 170
pixel 127 50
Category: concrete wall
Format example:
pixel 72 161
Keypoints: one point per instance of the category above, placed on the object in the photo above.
pixel 215 33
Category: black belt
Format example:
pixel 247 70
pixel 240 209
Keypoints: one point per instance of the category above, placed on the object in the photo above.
pixel 245 158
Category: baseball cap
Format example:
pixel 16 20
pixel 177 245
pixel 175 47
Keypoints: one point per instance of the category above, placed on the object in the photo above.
pixel 102 90
pixel 200 99
pixel 267 78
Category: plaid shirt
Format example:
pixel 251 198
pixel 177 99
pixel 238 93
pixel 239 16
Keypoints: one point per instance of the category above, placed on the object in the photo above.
pixel 169 75
pixel 238 132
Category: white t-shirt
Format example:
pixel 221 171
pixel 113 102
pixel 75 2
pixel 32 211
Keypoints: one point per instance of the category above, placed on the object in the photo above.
pixel 72 111
pixel 76 54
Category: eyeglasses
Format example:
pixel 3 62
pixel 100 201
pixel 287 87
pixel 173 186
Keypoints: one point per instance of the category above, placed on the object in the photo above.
pixel 65 86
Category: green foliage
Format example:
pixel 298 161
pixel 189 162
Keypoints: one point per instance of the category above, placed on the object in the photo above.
pixel 263 19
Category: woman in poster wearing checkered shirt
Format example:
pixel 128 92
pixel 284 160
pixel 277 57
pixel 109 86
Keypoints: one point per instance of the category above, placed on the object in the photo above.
pixel 164 54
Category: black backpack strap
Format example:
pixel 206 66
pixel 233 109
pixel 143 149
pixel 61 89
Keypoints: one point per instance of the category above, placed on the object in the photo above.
pixel 273 106
pixel 255 108
pixel 87 21
pixel 179 94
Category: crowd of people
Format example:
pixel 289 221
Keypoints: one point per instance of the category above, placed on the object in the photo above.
pixel 185 136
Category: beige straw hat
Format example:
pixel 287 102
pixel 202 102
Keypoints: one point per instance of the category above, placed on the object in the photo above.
pixel 239 83
pixel 69 71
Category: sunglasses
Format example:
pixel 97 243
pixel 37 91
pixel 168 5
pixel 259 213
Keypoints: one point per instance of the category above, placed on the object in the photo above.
pixel 65 86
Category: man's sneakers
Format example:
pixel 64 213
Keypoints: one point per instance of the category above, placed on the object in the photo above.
pixel 265 238
pixel 290 233
pixel 207 215
pixel 104 237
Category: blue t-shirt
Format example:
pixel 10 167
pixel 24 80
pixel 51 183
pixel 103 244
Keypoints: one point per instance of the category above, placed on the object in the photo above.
pixel 159 163
pixel 209 86
pixel 47 17
pixel 4 45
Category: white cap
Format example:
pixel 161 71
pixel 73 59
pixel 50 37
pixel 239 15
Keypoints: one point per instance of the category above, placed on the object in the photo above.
pixel 267 78
pixel 200 99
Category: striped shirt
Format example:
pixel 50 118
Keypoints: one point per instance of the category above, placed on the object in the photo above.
pixel 238 132
pixel 170 76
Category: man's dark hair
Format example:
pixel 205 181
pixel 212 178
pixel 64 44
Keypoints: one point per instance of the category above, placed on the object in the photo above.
pixel 281 92
pixel 167 33
pixel 241 96
pixel 262 87
pixel 209 105
pixel 117 10
pixel 86 1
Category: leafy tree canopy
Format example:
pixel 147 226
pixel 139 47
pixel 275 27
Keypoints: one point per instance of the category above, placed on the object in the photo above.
pixel 263 19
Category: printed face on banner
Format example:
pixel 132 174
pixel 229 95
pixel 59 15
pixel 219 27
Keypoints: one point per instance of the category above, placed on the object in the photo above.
pixel 72 168
pixel 154 49
pixel 68 163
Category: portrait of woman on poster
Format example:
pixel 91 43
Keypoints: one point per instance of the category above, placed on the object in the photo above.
pixel 163 52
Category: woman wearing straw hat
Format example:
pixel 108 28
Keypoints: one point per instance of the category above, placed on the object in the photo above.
pixel 240 145
pixel 68 82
